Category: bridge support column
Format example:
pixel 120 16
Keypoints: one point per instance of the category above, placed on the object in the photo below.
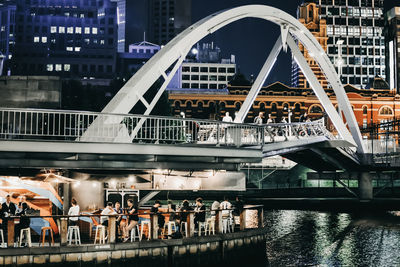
pixel 365 188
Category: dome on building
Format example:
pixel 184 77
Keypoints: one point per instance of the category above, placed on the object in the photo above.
pixel 378 83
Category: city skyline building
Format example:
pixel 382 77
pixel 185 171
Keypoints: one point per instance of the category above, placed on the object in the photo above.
pixel 392 36
pixel 76 39
pixel 355 26
pixel 121 22
pixel 7 33
pixel 309 16
pixel 138 54
pixel 204 69
pixel 167 18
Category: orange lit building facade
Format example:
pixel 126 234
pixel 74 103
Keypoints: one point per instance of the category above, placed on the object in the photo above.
pixel 370 106
pixel 309 16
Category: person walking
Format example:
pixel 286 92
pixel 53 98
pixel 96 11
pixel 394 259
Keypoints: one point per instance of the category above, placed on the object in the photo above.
pixel 259 119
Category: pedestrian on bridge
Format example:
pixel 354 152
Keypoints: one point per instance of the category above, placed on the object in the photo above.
pixel 259 119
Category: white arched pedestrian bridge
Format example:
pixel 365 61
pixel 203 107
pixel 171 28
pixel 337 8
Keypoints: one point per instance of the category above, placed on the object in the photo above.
pixel 116 139
pixel 62 139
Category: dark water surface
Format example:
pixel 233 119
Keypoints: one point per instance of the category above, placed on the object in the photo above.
pixel 311 238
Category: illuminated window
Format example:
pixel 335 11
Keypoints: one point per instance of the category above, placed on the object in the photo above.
pixel 77 49
pixel 87 41
pixel 49 67
pixel 3 28
pixel 67 67
pixel 82 15
pixel 102 42
pixel 53 29
pixel 385 110
pixel 36 39
pixel 87 30
pixel 78 30
pixel 53 41
pixel 58 67
pixel 61 29
pixel 315 110
pixel 69 48
pixel 70 30
pixel 44 39
pixel 94 30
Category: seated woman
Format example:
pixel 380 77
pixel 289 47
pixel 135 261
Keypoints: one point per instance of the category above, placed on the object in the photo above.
pixel 120 220
pixel 132 220
pixel 73 210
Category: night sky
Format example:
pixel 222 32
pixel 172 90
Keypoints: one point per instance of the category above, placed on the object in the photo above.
pixel 249 39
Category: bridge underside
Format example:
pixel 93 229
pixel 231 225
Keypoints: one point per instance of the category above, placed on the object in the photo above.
pixel 17 155
pixel 318 154
pixel 324 159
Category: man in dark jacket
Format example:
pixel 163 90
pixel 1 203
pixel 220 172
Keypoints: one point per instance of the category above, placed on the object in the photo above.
pixel 199 212
pixel 7 209
pixel 161 218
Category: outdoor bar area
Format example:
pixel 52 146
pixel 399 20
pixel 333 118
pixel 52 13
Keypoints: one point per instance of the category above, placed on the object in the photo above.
pixel 43 230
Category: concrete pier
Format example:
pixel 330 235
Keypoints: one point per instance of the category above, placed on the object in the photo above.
pixel 247 248
pixel 365 188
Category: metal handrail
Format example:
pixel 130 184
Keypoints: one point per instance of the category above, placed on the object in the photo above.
pixel 61 125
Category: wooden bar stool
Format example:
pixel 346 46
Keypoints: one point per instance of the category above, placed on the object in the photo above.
pixel 43 235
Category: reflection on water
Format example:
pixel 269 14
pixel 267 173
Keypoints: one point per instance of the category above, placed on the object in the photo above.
pixel 310 238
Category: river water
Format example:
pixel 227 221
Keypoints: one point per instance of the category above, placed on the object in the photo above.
pixel 311 238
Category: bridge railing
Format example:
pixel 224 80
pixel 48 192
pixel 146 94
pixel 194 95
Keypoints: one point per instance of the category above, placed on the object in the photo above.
pixel 33 124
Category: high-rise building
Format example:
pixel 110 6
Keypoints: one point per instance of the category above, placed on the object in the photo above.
pixel 392 36
pixel 121 21
pixel 7 33
pixel 355 27
pixel 168 18
pixel 203 69
pixel 308 14
pixel 76 38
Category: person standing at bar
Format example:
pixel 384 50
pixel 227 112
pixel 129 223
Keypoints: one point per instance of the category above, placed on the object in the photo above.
pixel 199 212
pixel 7 209
pixel 24 221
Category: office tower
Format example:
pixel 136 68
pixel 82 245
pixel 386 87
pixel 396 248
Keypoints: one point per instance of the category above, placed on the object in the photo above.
pixel 121 21
pixel 7 34
pixel 356 28
pixel 392 36
pixel 76 38
pixel 167 18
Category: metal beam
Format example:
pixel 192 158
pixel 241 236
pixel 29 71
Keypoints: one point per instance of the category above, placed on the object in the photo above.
pixel 167 80
pixel 259 82
pixel 319 91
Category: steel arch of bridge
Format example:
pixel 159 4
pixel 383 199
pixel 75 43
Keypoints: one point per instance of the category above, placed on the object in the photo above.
pixel 176 50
